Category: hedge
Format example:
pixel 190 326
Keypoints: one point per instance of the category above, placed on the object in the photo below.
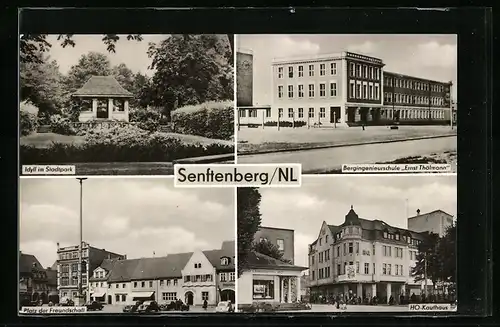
pixel 28 122
pixel 124 144
pixel 213 120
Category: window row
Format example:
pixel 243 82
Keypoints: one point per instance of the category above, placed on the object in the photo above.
pixel 413 85
pixel 351 230
pixel 323 256
pixel 387 269
pixel 74 267
pixel 66 281
pixel 300 113
pixel 198 278
pixel 413 99
pixel 332 70
pixel 396 236
pixel 387 251
pixel 364 90
pixel 227 277
pixel 422 114
pixel 364 71
pixel 332 90
pixel 253 113
pixel 73 255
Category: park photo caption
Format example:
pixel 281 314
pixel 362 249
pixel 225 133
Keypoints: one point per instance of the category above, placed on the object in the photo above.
pixel 246 175
pixel 48 170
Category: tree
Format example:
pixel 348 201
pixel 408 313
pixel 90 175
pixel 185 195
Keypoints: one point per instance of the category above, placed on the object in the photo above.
pixel 40 84
pixel 447 251
pixel 248 222
pixel 31 44
pixel 125 76
pixel 269 249
pixel 191 69
pixel 428 255
pixel 92 63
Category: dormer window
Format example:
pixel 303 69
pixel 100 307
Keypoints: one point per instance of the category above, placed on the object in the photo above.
pixel 350 230
pixel 224 261
pixel 385 234
pixel 397 236
pixel 197 265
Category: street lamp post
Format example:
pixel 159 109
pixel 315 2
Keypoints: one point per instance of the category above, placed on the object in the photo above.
pixel 80 247
pixel 425 275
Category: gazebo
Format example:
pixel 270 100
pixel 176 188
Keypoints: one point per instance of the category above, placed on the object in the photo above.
pixel 103 98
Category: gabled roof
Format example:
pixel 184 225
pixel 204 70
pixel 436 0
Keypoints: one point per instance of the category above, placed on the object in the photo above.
pixel 169 266
pixel 102 86
pixel 258 260
pixel 27 262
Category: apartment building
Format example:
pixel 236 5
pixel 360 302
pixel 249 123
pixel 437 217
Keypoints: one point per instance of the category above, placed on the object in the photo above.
pixel 364 258
pixel 192 277
pixel 33 280
pixel 281 237
pixel 68 269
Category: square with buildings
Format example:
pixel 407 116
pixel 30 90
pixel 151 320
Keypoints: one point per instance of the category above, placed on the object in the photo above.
pixel 141 240
pixel 371 242
pixel 328 100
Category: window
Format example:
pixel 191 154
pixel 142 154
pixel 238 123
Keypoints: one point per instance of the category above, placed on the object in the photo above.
pixel 374 266
pixel 377 73
pixel 301 90
pixel 345 248
pixel 367 268
pixel 387 251
pixel 117 298
pixel 301 112
pixel 373 249
pixel 64 281
pixel 385 234
pixel 263 289
pixel 384 269
pixel 370 91
pixel 280 72
pixel 252 113
pixel 311 70
pixel 365 71
pixel 312 259
pixel 333 68
pixel 280 91
pixel 268 113
pixel 242 113
pixel 311 90
pixel 224 261
pixel 176 282
pixel 397 236
pixel 135 284
pixel 322 90
pixel 311 112
pixel 74 267
pixel 170 296
pixel 399 252
pixel 351 89
pixel 371 72
pixel 322 69
pixel 118 105
pixel 388 269
pixel 290 72
pixel 320 241
pixel 358 70
pixel 280 112
pixel 204 296
pixel 358 90
pixel 281 243
pixel 357 247
pixel 351 248
pixel 338 251
pixel 313 275
pixel 223 277
pixel 290 91
pixel 301 71
pixel 326 239
pixel 143 284
pixel 322 112
pixel 377 95
pixel 333 89
pixel 352 69
pixel 365 91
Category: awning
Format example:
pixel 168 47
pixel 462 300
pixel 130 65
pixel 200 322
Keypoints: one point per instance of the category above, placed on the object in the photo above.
pixel 97 294
pixel 141 295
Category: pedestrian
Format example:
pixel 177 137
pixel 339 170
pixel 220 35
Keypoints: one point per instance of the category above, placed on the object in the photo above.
pixel 205 305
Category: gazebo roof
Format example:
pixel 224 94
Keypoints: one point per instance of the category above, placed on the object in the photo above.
pixel 102 86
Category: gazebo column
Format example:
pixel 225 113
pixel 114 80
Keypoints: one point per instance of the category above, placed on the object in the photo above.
pixel 299 297
pixel 94 108
pixel 289 290
pixel 110 108
pixel 125 108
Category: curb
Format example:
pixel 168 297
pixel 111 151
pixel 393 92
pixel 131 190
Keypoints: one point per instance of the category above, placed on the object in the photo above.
pixel 207 159
pixel 343 145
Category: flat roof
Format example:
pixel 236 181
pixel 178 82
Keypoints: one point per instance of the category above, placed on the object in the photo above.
pixel 277 228
pixel 416 77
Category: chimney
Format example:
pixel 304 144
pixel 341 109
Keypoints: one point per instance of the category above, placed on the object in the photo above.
pixel 418 212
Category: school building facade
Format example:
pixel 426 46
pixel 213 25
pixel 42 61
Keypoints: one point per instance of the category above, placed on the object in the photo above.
pixel 346 89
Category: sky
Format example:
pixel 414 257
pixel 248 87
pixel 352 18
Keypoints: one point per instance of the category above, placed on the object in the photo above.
pixel 329 198
pixel 131 53
pixel 429 56
pixel 132 216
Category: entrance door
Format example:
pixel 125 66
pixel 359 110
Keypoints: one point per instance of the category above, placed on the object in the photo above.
pixel 227 295
pixel 110 299
pixel 189 298
pixel 351 115
pixel 334 114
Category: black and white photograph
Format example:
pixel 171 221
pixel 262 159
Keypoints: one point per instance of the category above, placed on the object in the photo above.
pixel 128 246
pixel 318 248
pixel 329 100
pixel 126 104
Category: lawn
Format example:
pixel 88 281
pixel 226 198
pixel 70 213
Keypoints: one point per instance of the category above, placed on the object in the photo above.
pixel 44 140
pixel 254 140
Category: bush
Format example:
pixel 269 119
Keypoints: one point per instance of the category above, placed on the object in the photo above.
pixel 123 144
pixel 286 123
pixel 214 120
pixel 61 125
pixel 28 122
pixel 146 119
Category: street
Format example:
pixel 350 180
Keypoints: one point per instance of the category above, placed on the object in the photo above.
pixel 355 308
pixel 323 160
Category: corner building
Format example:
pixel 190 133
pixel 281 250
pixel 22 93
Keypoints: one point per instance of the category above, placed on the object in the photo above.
pixel 347 89
pixel 364 258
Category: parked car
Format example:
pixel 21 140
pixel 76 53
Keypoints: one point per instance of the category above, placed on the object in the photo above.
pixel 67 303
pixel 224 306
pixel 131 308
pixel 148 306
pixel 174 306
pixel 94 305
